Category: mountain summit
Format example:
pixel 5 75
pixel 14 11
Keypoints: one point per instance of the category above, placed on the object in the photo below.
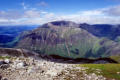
pixel 61 24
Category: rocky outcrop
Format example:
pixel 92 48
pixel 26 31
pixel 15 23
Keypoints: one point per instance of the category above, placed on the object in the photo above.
pixel 31 69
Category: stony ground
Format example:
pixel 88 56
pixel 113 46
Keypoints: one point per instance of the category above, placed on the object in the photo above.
pixel 31 69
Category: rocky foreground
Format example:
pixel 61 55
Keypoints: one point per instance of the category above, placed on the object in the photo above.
pixel 32 69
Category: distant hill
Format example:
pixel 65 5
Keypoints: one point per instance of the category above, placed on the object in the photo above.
pixel 9 34
pixel 15 30
pixel 103 30
pixel 68 39
pixel 6 38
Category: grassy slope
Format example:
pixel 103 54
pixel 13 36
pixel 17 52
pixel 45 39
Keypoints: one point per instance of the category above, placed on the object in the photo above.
pixel 110 71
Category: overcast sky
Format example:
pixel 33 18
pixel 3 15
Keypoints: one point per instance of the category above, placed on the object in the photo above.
pixel 36 12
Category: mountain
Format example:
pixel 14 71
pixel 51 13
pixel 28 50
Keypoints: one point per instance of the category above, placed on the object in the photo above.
pixel 103 30
pixel 16 30
pixel 9 35
pixel 5 38
pixel 67 39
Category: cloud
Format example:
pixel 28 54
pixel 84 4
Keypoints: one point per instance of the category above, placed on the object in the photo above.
pixel 113 11
pixel 92 12
pixel 91 19
pixel 10 15
pixel 24 6
pixel 27 17
pixel 110 15
pixel 42 3
pixel 32 14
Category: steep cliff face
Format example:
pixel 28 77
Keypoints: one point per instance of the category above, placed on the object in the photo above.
pixel 65 38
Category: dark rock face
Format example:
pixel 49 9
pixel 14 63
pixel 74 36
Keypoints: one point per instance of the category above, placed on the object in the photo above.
pixel 56 58
pixel 67 39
